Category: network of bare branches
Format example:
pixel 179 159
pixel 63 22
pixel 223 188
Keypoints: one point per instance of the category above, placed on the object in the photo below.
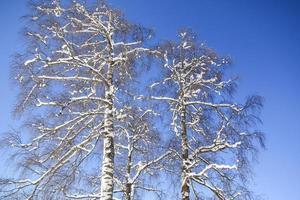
pixel 88 133
pixel 77 58
pixel 215 136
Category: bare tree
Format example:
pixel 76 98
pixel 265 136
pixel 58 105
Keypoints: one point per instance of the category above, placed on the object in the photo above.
pixel 78 56
pixel 82 140
pixel 139 145
pixel 216 136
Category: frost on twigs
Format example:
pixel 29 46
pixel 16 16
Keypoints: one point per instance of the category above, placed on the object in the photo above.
pixel 78 56
pixel 214 134
pixel 140 154
pixel 88 134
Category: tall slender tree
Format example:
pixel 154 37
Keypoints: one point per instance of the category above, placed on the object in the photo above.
pixel 78 56
pixel 215 134
pixel 139 145
pixel 83 139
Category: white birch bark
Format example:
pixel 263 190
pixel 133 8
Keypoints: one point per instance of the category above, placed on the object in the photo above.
pixel 78 57
pixel 205 121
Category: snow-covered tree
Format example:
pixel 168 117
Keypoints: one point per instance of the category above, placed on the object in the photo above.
pixel 78 56
pixel 83 139
pixel 138 144
pixel 214 135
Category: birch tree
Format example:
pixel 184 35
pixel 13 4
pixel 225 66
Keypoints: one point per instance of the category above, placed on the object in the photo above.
pixel 139 145
pixel 215 134
pixel 77 58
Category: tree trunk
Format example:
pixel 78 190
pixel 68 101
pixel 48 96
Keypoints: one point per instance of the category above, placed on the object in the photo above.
pixel 128 192
pixel 108 143
pixel 185 189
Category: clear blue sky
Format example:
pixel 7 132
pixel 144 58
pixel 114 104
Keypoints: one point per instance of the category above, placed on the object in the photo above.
pixel 262 37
